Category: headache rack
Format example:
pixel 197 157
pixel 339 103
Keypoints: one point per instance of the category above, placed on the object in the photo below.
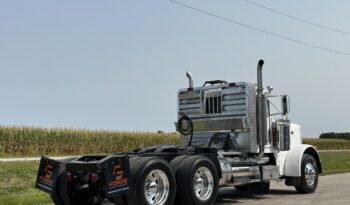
pixel 218 101
pixel 220 107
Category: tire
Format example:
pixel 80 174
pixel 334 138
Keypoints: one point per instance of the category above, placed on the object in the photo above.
pixel 198 169
pixel 156 172
pixel 63 195
pixel 256 188
pixel 82 198
pixel 309 175
pixel 176 163
pixel 55 196
pixel 120 200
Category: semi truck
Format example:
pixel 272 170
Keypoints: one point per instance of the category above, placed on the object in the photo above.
pixel 230 136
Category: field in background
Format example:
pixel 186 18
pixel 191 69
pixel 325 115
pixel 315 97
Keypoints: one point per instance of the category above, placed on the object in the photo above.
pixel 335 135
pixel 17 179
pixel 329 144
pixel 27 141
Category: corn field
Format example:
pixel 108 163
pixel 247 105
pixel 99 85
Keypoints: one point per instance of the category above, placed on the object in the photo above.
pixel 329 144
pixel 28 141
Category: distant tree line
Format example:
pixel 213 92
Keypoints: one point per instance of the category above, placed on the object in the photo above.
pixel 334 135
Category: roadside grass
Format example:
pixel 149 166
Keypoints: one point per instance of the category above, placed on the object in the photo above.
pixel 17 179
pixel 335 162
pixel 17 184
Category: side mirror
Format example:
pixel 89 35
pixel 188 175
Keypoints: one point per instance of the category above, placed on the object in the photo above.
pixel 285 104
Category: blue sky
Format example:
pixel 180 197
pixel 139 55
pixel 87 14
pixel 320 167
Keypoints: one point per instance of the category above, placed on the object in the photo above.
pixel 118 64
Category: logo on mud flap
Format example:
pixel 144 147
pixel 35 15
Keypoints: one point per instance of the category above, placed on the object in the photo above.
pixel 118 175
pixel 47 178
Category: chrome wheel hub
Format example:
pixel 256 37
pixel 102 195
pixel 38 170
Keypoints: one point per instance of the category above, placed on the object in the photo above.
pixel 203 183
pixel 156 187
pixel 310 174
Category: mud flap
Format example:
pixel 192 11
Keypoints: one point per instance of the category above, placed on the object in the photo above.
pixel 48 173
pixel 117 177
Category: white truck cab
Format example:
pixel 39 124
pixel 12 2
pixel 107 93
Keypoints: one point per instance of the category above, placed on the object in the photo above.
pixel 255 144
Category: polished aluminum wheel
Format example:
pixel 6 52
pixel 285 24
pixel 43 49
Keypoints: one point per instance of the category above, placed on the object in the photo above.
pixel 156 187
pixel 203 183
pixel 310 174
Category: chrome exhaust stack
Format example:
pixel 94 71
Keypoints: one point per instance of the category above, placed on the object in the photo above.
pixel 190 80
pixel 261 112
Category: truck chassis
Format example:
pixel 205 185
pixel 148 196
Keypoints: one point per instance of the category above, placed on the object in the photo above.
pixel 143 177
pixel 228 138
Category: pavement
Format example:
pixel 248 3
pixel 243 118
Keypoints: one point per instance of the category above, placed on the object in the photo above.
pixel 332 189
pixel 23 159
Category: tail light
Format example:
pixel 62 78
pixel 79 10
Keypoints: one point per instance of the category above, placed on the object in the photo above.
pixel 93 178
pixel 69 177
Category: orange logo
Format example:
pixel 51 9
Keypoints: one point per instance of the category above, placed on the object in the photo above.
pixel 48 171
pixel 118 174
pixel 47 176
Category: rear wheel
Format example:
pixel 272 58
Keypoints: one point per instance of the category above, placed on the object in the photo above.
pixel 69 195
pixel 197 180
pixel 153 182
pixel 55 196
pixel 176 163
pixel 309 175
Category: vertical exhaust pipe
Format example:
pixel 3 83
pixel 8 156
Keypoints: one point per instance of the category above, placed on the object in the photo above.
pixel 190 80
pixel 261 112
pixel 259 74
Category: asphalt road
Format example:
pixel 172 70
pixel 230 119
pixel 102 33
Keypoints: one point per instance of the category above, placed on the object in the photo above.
pixel 332 189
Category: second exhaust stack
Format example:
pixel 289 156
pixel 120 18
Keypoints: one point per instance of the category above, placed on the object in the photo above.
pixel 190 80
pixel 261 111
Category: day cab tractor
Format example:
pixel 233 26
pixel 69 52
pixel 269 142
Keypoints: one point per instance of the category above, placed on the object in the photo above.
pixel 230 137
